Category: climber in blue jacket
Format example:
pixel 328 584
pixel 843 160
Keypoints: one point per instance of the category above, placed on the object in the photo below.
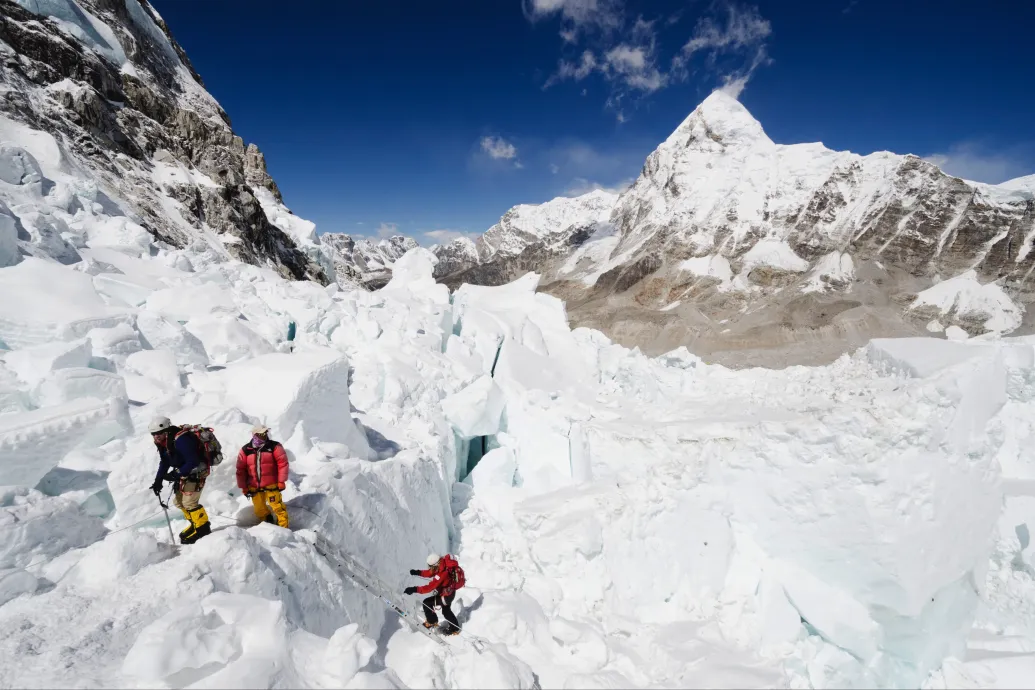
pixel 182 462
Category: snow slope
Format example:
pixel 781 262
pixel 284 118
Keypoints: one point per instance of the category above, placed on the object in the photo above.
pixel 624 521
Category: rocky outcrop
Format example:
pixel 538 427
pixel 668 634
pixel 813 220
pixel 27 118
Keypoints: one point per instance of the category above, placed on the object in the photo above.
pixel 729 242
pixel 108 88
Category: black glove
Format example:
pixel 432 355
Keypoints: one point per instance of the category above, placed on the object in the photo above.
pixel 172 476
pixel 415 572
pixel 410 590
pixel 157 488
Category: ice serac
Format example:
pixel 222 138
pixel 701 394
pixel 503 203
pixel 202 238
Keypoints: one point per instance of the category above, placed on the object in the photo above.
pixel 106 109
pixel 306 389
pixel 33 442
pixel 828 248
pixel 53 304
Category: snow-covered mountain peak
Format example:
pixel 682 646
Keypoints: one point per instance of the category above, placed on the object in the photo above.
pixel 724 226
pixel 720 121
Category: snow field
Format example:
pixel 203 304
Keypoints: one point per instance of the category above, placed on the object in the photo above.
pixel 624 521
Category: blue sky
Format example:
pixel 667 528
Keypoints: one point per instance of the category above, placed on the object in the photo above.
pixel 432 119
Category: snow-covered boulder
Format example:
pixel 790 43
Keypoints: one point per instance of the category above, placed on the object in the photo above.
pixel 413 274
pixel 18 167
pixel 66 385
pixel 227 339
pixel 111 346
pixel 32 443
pixel 9 252
pixel 33 364
pixel 495 469
pixel 186 302
pixel 159 365
pixel 159 333
pixel 310 388
pixel 53 303
pixel 14 393
pixel 121 233
pixel 476 409
pixel 120 289
pixel 37 526
pixel 486 318
pixel 921 357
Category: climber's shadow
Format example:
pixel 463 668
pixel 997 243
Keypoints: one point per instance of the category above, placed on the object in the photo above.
pixel 465 614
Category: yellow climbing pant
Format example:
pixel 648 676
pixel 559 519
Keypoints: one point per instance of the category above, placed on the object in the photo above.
pixel 269 500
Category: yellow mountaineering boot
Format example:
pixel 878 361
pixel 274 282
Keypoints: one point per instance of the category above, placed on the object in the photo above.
pixel 200 526
pixel 190 527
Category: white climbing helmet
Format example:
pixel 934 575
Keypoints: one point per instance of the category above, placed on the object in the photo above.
pixel 433 559
pixel 159 424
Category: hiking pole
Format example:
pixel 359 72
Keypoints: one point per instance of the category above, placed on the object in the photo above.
pixel 165 509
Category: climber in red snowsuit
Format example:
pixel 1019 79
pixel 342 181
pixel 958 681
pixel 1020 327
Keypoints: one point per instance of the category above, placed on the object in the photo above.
pixel 262 470
pixel 446 577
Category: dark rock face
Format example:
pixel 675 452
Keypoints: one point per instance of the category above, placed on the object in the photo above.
pixel 124 109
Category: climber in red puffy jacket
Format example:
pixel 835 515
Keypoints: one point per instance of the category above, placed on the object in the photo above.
pixel 446 577
pixel 262 471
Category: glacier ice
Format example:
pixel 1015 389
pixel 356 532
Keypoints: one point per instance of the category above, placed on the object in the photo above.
pixel 53 304
pixel 475 410
pixel 227 339
pixel 33 364
pixel 307 388
pixel 633 520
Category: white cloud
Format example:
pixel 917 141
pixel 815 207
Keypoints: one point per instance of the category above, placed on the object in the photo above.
pixel 498 148
pixel 745 32
pixel 744 29
pixel 973 161
pixel 626 59
pixel 581 185
pixel 635 67
pixel 446 236
pixel 385 230
pixel 569 70
pixel 624 52
pixel 577 15
pixel 734 85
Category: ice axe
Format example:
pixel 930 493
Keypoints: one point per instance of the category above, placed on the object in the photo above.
pixel 165 509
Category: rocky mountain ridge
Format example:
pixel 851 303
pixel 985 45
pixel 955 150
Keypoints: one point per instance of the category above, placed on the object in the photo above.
pixel 98 94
